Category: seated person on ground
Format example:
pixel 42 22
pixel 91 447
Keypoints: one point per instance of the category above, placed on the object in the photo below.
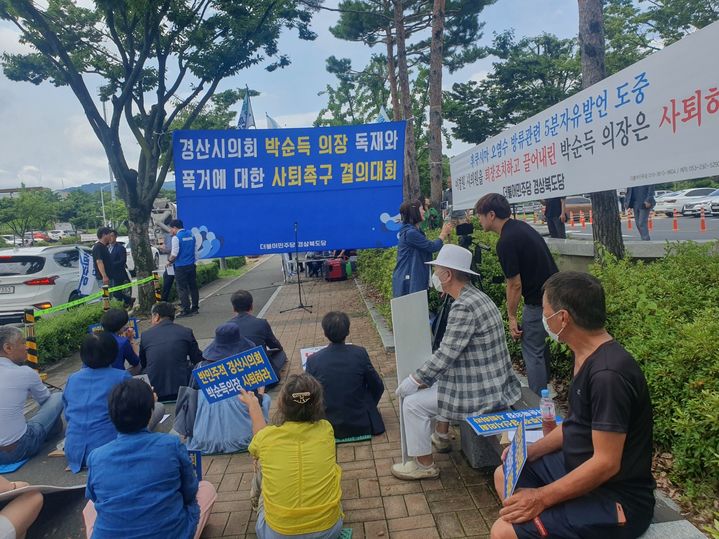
pixel 352 387
pixel 143 485
pixel 257 330
pixel 20 439
pixel 296 469
pixel 115 321
pixel 167 352
pixel 470 373
pixel 20 512
pixel 85 400
pixel 224 426
pixel 591 477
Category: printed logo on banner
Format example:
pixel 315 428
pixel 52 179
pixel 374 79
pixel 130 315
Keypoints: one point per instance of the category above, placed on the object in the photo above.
pixel 515 460
pixel 87 273
pixel 491 424
pixel 133 323
pixel 223 379
pixel 340 185
pixel 654 122
pixel 196 460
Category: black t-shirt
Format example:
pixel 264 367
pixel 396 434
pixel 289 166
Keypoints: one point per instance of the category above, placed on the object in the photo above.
pixel 610 394
pixel 100 252
pixel 553 207
pixel 522 251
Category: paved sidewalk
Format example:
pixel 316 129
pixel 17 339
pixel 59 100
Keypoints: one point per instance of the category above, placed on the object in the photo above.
pixel 461 503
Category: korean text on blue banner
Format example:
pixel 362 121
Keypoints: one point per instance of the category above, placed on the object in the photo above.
pixel 515 460
pixel 223 379
pixel 491 424
pixel 196 460
pixel 248 190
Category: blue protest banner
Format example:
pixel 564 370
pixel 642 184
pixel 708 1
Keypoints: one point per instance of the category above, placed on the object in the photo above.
pixel 196 460
pixel 243 191
pixel 491 424
pixel 133 323
pixel 514 461
pixel 223 379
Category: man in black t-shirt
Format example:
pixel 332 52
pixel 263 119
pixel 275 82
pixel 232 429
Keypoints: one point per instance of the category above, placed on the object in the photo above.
pixel 527 264
pixel 590 477
pixel 101 257
pixel 555 212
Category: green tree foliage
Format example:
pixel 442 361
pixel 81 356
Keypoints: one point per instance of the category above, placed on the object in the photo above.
pixel 28 210
pixel 146 53
pixel 671 20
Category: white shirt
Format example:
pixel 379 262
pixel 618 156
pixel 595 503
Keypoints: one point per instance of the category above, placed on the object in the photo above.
pixel 15 383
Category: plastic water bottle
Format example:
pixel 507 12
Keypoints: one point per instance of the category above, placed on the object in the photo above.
pixel 548 412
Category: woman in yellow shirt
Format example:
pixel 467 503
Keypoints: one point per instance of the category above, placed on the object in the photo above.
pixel 298 471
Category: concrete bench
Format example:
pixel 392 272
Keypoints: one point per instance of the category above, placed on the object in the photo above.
pixel 486 451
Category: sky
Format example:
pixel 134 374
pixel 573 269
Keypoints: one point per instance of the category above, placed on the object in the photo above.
pixel 47 141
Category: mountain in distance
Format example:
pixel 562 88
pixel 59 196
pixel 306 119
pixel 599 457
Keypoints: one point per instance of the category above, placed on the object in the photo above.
pixel 95 187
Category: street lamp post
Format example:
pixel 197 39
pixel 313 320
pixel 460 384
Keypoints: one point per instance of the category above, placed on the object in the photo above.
pixel 102 202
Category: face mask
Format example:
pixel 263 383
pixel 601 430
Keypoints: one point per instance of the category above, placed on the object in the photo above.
pixel 436 283
pixel 552 335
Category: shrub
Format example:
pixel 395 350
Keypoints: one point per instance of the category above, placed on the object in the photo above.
pixel 206 273
pixel 60 334
pixel 232 262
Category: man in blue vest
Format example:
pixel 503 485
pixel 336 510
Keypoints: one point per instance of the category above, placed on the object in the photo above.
pixel 183 258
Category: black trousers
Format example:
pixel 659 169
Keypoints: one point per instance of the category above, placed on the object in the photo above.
pixel 123 295
pixel 167 282
pixel 186 279
pixel 556 227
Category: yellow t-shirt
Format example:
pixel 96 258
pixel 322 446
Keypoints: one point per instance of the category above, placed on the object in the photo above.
pixel 300 476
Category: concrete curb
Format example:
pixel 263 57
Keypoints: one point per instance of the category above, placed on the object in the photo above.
pixel 380 325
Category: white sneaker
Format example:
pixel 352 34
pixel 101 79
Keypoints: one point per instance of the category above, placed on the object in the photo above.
pixel 410 471
pixel 442 445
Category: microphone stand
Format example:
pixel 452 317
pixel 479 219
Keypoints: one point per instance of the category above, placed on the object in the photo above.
pixel 301 305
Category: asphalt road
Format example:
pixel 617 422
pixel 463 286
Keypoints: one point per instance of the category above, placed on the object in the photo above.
pixel 663 231
pixel 61 517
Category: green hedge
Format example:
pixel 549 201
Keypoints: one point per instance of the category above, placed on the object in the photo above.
pixel 232 262
pixel 61 334
pixel 666 314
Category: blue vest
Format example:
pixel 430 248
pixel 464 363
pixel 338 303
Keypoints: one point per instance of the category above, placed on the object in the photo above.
pixel 186 256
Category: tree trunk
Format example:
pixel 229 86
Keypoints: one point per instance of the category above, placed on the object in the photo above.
pixel 607 227
pixel 411 171
pixel 435 104
pixel 138 231
pixel 392 75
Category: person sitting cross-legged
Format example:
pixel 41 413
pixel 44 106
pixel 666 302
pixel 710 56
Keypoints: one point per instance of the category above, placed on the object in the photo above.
pixel 296 469
pixel 224 426
pixel 18 515
pixel 21 439
pixel 351 386
pixel 591 477
pixel 85 400
pixel 115 321
pixel 257 330
pixel 143 485
pixel 469 374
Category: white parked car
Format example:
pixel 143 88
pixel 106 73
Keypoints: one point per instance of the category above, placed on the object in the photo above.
pixel 695 208
pixel 12 240
pixel 57 235
pixel 131 261
pixel 39 277
pixel 680 200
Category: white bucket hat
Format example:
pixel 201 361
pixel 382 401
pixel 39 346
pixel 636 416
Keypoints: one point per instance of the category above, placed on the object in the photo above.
pixel 454 257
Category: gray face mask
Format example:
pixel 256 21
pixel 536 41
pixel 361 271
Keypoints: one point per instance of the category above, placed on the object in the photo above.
pixel 552 335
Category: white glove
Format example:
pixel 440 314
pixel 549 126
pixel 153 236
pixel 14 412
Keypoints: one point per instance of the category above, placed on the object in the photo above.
pixel 408 386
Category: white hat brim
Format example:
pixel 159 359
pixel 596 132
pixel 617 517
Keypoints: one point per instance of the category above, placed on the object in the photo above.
pixel 451 266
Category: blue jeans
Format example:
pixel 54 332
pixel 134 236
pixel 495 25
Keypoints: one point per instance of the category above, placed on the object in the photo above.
pixel 264 531
pixel 641 216
pixel 534 348
pixel 39 427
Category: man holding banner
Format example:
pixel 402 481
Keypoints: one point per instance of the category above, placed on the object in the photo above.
pixel 591 476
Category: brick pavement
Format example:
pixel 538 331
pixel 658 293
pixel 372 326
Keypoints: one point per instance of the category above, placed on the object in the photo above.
pixel 461 503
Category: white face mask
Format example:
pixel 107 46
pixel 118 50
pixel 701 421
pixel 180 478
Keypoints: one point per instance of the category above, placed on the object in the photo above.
pixel 436 283
pixel 552 335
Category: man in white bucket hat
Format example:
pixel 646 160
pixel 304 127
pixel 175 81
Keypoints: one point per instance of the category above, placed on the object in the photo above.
pixel 470 373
